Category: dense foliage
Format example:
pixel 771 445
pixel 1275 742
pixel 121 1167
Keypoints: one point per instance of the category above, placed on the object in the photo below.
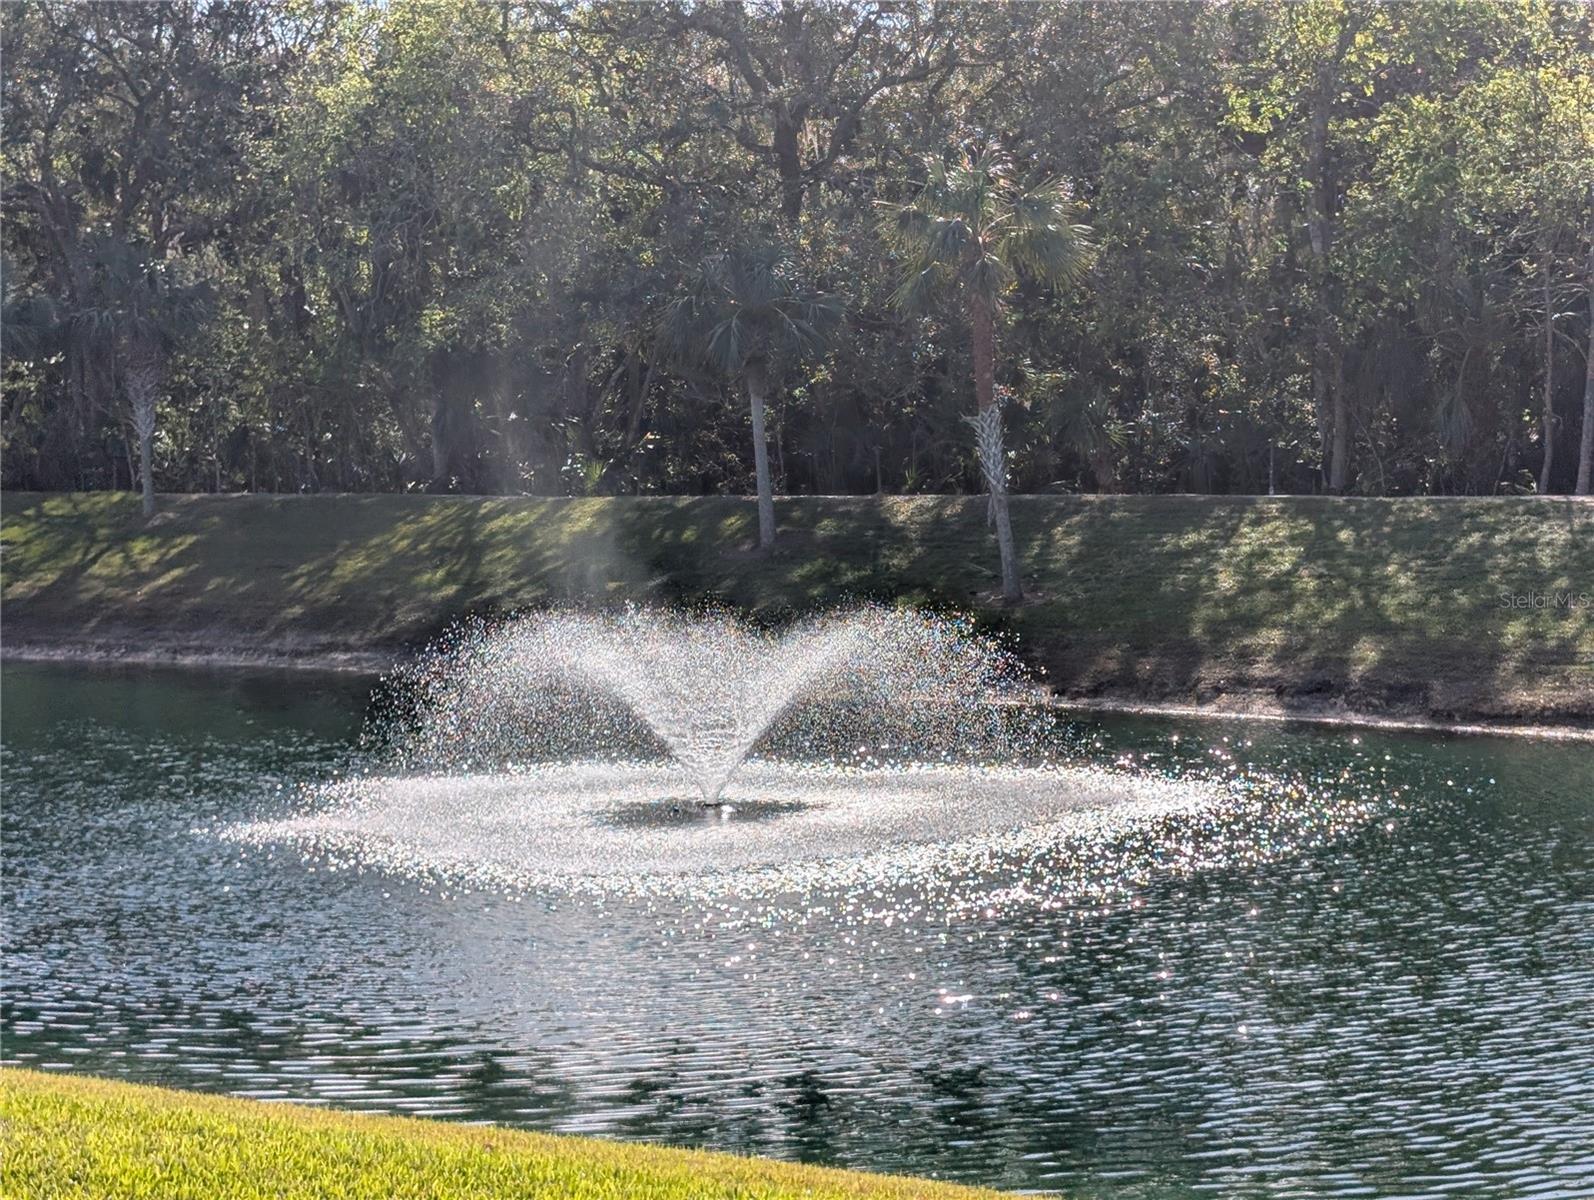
pixel 432 243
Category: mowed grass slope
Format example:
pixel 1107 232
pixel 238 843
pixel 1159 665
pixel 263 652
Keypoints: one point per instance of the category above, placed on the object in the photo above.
pixel 68 1137
pixel 1376 604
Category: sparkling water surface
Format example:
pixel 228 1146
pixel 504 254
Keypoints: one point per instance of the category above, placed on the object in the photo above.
pixel 1263 960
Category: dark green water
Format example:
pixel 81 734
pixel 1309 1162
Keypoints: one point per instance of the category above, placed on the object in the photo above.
pixel 1404 1009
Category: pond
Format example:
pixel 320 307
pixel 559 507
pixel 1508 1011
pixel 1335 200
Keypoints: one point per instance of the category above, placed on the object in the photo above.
pixel 1372 973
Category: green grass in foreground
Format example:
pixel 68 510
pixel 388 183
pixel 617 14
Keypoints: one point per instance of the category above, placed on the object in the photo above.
pixel 1380 603
pixel 74 1136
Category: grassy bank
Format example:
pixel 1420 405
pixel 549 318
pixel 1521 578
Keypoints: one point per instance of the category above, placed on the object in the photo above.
pixel 1376 605
pixel 70 1136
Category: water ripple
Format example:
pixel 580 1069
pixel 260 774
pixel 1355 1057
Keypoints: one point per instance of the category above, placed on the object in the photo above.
pixel 1312 965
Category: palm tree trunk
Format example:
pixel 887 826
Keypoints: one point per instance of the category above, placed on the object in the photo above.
pixel 757 386
pixel 132 465
pixel 1322 406
pixel 1585 457
pixel 1101 465
pixel 1339 466
pixel 146 452
pixel 982 322
pixel 143 383
pixel 1329 400
pixel 1549 383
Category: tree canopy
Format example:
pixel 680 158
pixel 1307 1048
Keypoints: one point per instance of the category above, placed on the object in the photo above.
pixel 1335 245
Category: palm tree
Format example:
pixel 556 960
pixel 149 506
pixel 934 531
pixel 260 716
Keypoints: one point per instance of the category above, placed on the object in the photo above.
pixel 1092 430
pixel 746 315
pixel 140 308
pixel 966 236
pixel 28 321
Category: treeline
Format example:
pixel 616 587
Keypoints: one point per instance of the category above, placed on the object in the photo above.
pixel 454 244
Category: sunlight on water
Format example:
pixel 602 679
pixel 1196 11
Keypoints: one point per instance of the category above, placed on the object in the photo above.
pixel 1145 958
pixel 897 751
pixel 954 838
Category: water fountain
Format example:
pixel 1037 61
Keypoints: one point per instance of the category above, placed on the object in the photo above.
pixel 658 745
pixel 706 688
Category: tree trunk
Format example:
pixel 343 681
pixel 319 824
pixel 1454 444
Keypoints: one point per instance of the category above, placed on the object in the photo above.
pixel 1548 419
pixel 988 427
pixel 638 385
pixel 1332 420
pixel 1585 458
pixel 143 384
pixel 440 435
pixel 757 386
pixel 788 161
pixel 1321 403
pixel 146 455
pixel 1339 467
pixel 132 466
pixel 1101 465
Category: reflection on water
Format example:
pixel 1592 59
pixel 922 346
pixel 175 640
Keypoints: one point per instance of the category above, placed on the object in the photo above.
pixel 1404 1005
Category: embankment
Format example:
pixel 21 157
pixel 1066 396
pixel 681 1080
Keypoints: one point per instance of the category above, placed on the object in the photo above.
pixel 1453 609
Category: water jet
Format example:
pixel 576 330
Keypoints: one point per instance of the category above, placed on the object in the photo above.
pixel 705 689
pixel 658 743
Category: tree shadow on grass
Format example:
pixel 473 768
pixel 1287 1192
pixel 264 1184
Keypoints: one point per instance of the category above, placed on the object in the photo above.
pixel 1381 603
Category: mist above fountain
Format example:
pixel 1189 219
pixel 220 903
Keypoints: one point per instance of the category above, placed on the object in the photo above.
pixel 707 689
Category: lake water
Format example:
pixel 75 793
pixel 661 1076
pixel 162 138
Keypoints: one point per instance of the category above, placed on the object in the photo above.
pixel 1373 974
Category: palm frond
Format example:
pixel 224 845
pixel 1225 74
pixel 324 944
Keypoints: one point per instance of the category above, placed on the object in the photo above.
pixel 988 275
pixel 919 289
pixel 970 225
pixel 729 344
pixel 903 225
pixel 1041 238
pixel 1090 424
pixel 948 240
pixel 27 323
pixel 745 304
